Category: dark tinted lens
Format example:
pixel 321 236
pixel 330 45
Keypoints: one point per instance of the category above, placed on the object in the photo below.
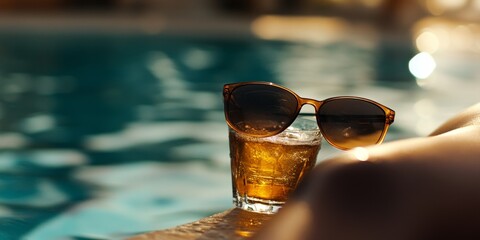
pixel 349 123
pixel 261 109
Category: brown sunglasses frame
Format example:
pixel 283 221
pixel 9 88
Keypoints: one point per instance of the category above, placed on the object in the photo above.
pixel 229 88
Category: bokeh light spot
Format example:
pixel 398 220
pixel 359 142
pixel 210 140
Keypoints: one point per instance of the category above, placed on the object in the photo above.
pixel 422 65
pixel 361 154
pixel 428 42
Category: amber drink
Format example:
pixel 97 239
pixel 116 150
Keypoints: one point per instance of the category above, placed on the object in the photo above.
pixel 265 171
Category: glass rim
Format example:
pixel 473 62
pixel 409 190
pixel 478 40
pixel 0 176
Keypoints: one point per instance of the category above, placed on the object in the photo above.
pixel 283 138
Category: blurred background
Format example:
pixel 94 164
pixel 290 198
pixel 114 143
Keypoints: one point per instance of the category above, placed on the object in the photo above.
pixel 111 114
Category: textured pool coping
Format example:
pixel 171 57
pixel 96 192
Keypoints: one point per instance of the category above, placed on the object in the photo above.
pixel 233 224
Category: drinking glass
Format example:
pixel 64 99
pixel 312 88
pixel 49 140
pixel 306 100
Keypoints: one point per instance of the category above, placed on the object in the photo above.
pixel 265 171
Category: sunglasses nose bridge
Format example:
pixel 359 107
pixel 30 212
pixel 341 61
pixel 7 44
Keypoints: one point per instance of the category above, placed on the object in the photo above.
pixel 316 104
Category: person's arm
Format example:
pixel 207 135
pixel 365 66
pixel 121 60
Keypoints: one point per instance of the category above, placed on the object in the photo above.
pixel 420 188
pixel 469 117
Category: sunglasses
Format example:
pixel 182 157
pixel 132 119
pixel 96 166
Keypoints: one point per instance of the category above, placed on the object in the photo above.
pixel 263 109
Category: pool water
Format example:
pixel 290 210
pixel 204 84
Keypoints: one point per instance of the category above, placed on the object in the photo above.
pixel 106 135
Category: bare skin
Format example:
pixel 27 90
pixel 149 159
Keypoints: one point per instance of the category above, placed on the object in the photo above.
pixel 421 188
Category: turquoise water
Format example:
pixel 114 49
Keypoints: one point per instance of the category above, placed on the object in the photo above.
pixel 105 135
